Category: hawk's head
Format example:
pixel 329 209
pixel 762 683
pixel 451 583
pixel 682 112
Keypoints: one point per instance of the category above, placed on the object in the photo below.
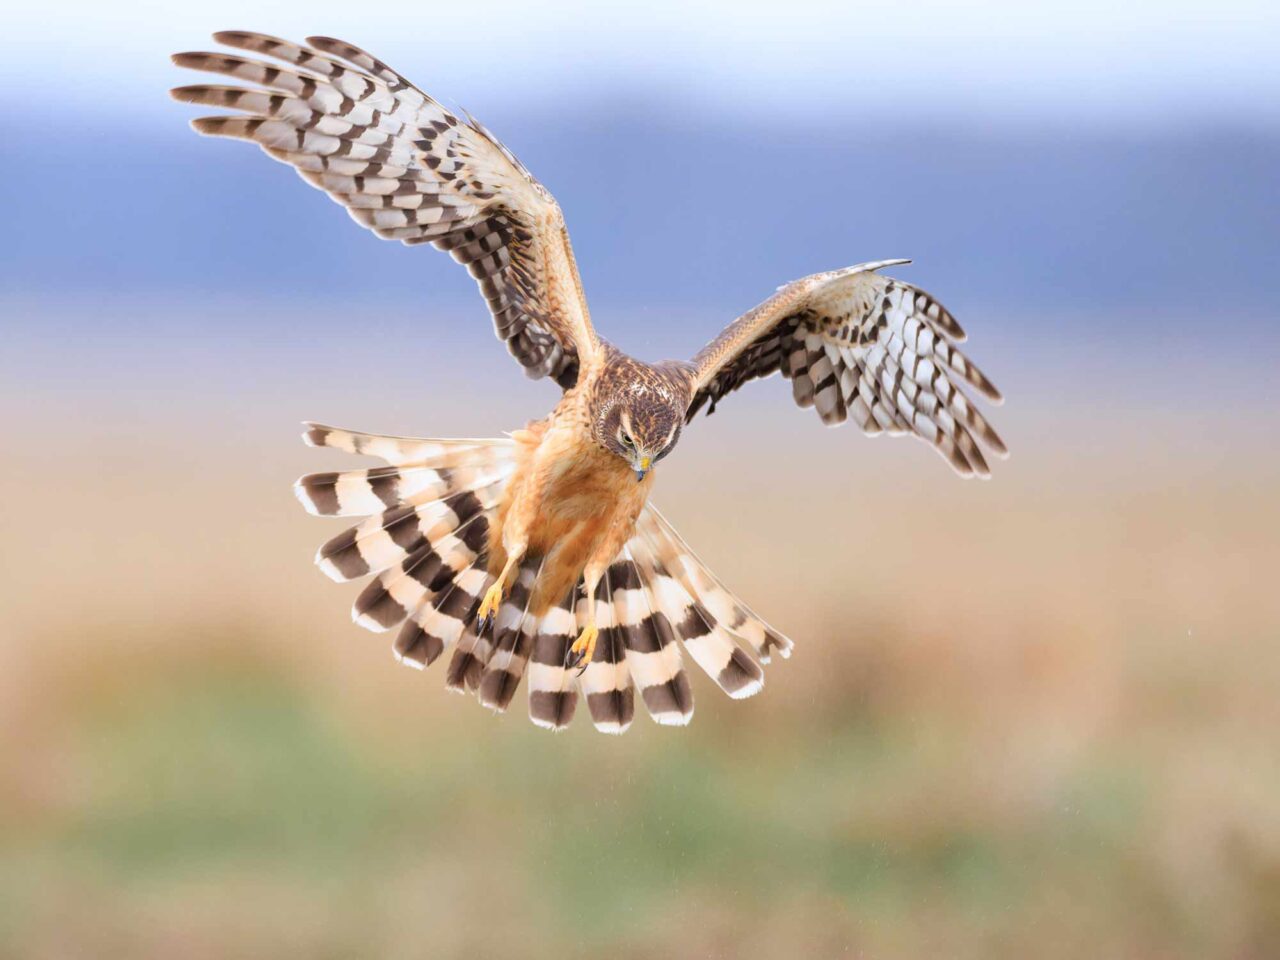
pixel 639 411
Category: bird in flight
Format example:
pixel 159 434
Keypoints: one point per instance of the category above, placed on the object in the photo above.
pixel 540 553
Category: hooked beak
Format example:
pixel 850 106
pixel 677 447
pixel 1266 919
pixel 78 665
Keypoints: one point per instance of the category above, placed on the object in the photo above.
pixel 641 466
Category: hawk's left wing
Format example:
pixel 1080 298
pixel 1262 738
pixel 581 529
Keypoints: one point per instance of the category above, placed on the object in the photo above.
pixel 410 170
pixel 856 344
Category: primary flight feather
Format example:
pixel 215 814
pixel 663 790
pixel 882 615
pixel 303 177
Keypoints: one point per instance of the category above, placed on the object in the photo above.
pixel 540 554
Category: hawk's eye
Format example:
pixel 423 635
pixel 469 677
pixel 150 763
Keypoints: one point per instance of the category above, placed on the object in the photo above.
pixel 625 438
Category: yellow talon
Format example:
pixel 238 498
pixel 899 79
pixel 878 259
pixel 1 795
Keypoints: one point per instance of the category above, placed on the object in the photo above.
pixel 493 596
pixel 583 648
pixel 492 600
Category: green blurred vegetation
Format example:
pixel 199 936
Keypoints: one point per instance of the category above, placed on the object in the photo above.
pixel 222 802
pixel 1036 719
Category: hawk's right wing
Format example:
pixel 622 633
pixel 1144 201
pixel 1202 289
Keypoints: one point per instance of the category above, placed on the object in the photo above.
pixel 410 170
pixel 857 345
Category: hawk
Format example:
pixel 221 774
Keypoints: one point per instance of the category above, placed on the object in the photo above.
pixel 540 553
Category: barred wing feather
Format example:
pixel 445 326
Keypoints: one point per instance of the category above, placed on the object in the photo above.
pixel 857 345
pixel 410 170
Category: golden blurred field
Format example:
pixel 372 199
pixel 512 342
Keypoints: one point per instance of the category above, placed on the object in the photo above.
pixel 1036 717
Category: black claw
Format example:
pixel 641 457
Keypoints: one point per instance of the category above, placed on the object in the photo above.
pixel 482 623
pixel 572 659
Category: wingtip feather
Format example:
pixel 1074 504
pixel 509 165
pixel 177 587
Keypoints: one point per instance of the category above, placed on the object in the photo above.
pixel 187 93
pixel 213 126
pixel 190 59
pixel 233 38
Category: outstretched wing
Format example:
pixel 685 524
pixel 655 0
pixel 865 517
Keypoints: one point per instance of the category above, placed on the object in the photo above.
pixel 410 170
pixel 856 344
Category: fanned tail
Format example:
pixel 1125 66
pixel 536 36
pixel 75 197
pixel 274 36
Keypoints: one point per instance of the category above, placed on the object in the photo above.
pixel 425 545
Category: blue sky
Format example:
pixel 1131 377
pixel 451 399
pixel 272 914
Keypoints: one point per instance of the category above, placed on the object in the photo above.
pixel 1100 62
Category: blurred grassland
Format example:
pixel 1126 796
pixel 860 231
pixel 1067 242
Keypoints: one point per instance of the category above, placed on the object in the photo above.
pixel 1033 717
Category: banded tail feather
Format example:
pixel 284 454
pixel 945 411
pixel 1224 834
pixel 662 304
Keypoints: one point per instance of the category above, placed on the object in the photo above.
pixel 703 585
pixel 358 493
pixel 470 655
pixel 442 618
pixel 425 548
pixel 653 655
pixel 705 638
pixel 398 592
pixel 553 693
pixel 389 538
pixel 513 634
pixel 425 544
pixel 394 450
pixel 606 681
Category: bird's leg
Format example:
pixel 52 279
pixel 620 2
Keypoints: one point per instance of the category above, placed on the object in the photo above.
pixel 583 649
pixel 493 596
pixel 621 527
pixel 515 541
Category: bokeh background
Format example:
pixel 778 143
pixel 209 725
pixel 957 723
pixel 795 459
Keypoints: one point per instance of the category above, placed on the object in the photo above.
pixel 1038 716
